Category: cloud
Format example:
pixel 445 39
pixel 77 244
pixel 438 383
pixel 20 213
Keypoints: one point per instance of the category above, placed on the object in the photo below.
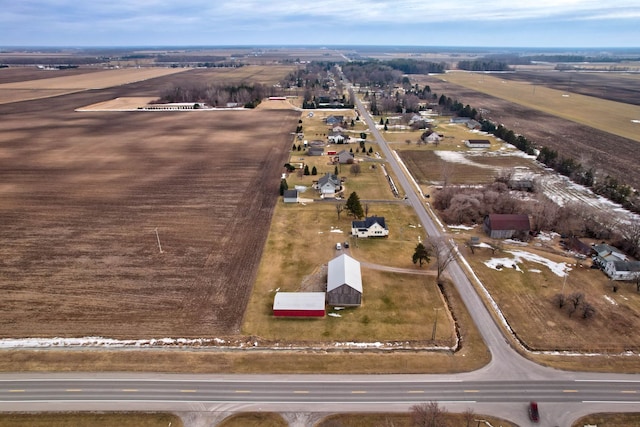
pixel 258 21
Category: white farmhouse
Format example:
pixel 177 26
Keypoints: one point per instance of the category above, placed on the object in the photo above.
pixel 373 226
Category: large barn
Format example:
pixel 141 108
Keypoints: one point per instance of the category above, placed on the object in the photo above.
pixel 344 282
pixel 506 226
pixel 299 304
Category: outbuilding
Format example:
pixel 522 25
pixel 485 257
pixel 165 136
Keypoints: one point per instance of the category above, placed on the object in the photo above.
pixel 478 143
pixel 506 226
pixel 344 282
pixel 299 304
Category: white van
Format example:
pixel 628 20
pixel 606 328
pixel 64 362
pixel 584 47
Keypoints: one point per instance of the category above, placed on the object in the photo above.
pixel 338 246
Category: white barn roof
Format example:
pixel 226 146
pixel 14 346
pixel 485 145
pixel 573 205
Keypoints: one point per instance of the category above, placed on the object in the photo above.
pixel 344 270
pixel 299 301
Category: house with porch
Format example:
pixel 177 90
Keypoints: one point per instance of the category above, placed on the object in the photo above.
pixel 328 185
pixel 373 226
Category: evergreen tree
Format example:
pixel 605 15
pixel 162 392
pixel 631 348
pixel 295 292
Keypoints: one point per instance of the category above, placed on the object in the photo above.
pixel 421 255
pixel 283 186
pixel 306 169
pixel 314 171
pixel 353 206
pixel 336 171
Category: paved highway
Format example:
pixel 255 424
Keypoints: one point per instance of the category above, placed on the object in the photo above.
pixel 501 388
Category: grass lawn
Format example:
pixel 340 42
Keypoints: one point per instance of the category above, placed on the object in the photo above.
pixel 401 420
pixel 525 296
pixel 94 419
pixel 257 419
pixel 609 420
pixel 395 306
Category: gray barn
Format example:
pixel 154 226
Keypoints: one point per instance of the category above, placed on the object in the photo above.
pixel 344 282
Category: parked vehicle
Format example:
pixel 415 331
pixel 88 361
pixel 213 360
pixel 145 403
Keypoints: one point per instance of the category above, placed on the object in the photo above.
pixel 346 245
pixel 338 246
pixel 534 415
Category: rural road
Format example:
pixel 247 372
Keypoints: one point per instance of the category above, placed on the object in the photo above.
pixel 502 388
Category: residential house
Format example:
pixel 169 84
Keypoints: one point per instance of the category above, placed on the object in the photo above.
pixel 290 196
pixel 334 120
pixel 373 226
pixel 433 137
pixel 459 120
pixel 473 125
pixel 329 185
pixel 622 270
pixel 507 226
pixel 478 143
pixel 344 282
pixel 606 253
pixel 344 157
pixel 337 137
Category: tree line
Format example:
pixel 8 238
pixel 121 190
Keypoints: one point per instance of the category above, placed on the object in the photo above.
pixel 218 95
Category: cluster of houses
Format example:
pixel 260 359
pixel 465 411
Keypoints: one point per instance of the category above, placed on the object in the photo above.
pixel 344 289
pixel 614 263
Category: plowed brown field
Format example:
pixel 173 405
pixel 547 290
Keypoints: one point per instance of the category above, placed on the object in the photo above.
pixel 82 193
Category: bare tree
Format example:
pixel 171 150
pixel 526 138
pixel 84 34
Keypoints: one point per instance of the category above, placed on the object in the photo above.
pixel 339 209
pixel 560 300
pixel 588 311
pixel 446 173
pixel 575 299
pixel 355 169
pixel 428 415
pixel 469 416
pixel 443 252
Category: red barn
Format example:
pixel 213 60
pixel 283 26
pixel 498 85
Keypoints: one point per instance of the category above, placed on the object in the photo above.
pixel 299 304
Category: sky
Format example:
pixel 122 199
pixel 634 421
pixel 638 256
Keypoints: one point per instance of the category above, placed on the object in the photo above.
pixel 496 23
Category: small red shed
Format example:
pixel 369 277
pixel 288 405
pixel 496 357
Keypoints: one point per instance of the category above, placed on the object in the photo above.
pixel 299 304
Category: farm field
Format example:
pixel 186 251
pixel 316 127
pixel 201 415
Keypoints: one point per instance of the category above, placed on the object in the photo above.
pixel 605 152
pixel 616 118
pixel 83 193
pixel 55 86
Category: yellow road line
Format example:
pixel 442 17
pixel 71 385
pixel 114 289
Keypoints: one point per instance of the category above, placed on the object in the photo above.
pixel 628 391
pixel 569 391
pixel 130 390
pixel 243 391
pixel 72 390
pixel 358 392
pixel 415 391
pixel 188 391
pixel 301 392
pixel 472 391
pixel 16 391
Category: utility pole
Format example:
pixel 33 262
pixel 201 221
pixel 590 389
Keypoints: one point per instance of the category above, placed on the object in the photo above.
pixel 158 238
pixel 435 325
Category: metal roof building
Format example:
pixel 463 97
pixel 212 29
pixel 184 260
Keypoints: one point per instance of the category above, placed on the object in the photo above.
pixel 344 281
pixel 299 304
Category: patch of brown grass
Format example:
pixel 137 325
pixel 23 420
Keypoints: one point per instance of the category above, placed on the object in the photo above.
pixel 257 419
pixel 94 419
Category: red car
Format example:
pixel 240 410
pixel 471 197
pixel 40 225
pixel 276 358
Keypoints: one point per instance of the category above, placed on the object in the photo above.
pixel 533 412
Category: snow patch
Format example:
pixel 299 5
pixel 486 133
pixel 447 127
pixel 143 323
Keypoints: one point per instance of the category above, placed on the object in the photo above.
pixel 558 268
pixel 333 315
pixel 460 227
pixel 611 300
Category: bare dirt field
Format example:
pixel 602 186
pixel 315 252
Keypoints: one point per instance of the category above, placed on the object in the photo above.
pixel 606 153
pixel 82 194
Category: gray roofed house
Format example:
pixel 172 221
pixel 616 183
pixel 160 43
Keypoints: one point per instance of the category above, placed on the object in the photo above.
pixel 329 184
pixel 373 226
pixel 344 157
pixel 344 282
pixel 606 253
pixel 622 270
